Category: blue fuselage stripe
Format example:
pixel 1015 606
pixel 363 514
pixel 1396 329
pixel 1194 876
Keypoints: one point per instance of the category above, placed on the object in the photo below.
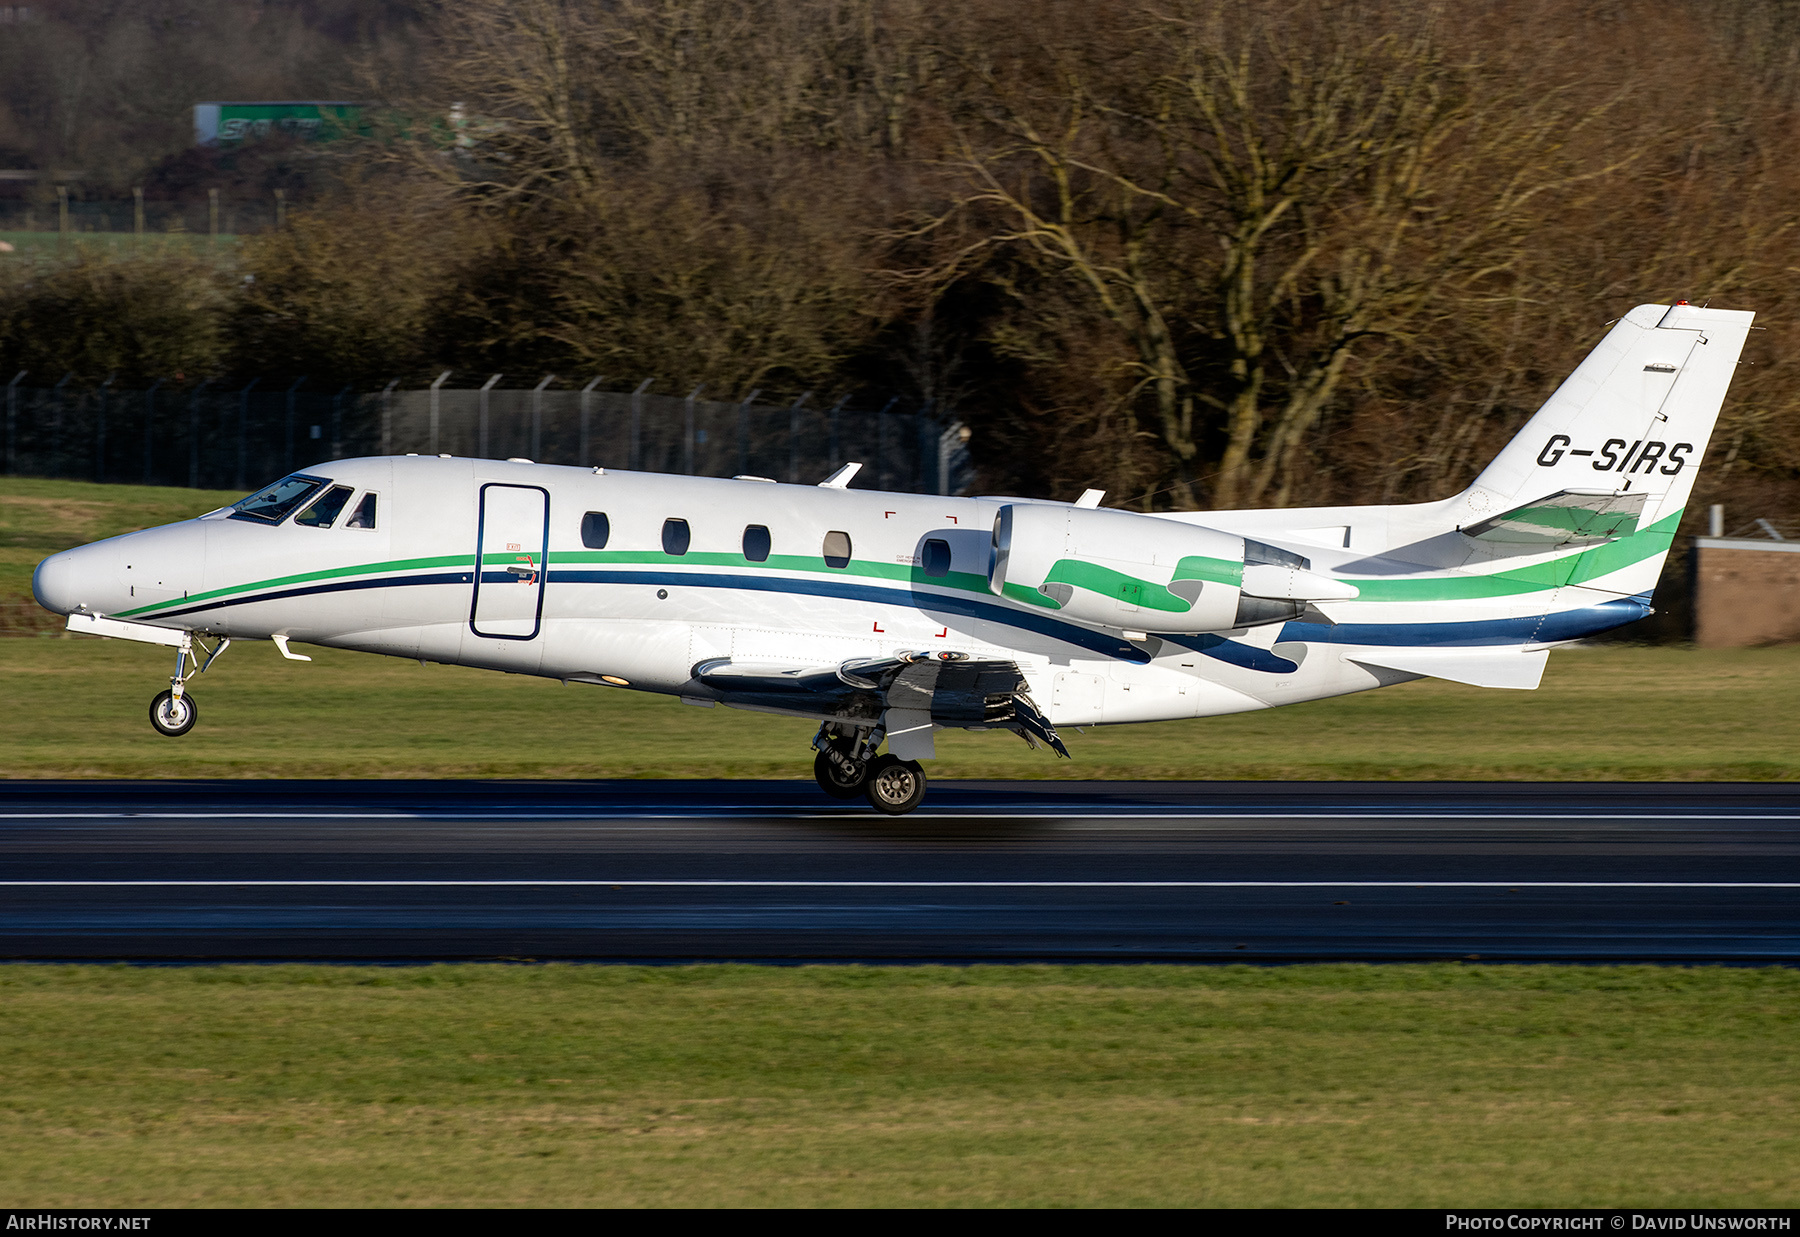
pixel 1530 629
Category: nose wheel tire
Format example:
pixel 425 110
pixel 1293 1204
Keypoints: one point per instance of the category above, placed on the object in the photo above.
pixel 837 781
pixel 895 786
pixel 171 717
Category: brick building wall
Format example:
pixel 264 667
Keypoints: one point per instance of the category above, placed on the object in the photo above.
pixel 1745 592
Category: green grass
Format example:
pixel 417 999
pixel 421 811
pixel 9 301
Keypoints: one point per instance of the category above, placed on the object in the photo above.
pixel 1421 1086
pixel 78 706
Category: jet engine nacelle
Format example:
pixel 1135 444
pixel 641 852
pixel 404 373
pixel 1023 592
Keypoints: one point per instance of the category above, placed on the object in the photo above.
pixel 1115 569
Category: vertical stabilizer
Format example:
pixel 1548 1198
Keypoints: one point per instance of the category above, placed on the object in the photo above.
pixel 1634 417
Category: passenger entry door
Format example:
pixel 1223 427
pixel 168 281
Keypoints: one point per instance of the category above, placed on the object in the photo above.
pixel 512 539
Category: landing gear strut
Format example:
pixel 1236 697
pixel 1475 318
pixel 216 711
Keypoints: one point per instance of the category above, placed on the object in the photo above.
pixel 839 775
pixel 842 765
pixel 848 768
pixel 174 712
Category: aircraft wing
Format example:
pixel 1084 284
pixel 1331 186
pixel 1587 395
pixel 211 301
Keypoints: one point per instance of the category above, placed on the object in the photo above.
pixel 911 692
pixel 1567 517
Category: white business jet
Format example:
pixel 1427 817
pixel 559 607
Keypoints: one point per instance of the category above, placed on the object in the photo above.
pixel 886 617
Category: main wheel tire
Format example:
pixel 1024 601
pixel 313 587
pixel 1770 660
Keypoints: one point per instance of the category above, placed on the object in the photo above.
pixel 171 717
pixel 834 781
pixel 895 786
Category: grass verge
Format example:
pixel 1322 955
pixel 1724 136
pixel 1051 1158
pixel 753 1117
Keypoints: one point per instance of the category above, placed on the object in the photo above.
pixel 1421 1086
pixel 77 709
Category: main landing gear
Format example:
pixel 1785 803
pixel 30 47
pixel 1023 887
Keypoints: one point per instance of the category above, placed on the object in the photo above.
pixel 174 712
pixel 847 767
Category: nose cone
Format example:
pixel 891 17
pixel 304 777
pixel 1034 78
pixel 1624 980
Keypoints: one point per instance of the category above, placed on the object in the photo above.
pixel 57 582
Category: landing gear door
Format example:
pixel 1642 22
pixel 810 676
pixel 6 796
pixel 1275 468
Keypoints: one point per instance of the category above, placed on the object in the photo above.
pixel 512 539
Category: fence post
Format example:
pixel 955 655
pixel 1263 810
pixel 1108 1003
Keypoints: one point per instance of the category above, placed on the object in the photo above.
pixel 137 212
pixel 194 435
pixel 100 431
pixel 881 443
pixel 744 431
pixel 537 417
pixel 12 422
pixel 289 427
pixel 56 426
pixel 337 402
pixel 687 438
pixel 948 438
pixel 434 407
pixel 387 417
pixel 581 456
pixel 919 458
pixel 150 430
pixel 832 443
pixel 794 438
pixel 243 454
pixel 637 422
pixel 481 419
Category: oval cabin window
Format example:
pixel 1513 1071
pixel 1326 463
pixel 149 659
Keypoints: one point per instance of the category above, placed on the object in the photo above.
pixel 595 529
pixel 756 543
pixel 837 549
pixel 676 536
pixel 936 558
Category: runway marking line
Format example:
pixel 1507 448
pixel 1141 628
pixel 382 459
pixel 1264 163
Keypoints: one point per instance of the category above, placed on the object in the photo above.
pixel 873 884
pixel 974 813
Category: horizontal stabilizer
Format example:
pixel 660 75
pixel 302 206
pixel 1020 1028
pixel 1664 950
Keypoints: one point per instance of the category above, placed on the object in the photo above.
pixel 1565 518
pixel 1506 666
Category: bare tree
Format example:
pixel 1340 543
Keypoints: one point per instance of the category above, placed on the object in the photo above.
pixel 1247 200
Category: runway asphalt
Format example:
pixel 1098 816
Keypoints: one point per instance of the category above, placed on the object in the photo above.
pixel 987 871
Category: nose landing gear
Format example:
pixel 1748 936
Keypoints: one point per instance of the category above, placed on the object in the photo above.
pixel 847 767
pixel 174 712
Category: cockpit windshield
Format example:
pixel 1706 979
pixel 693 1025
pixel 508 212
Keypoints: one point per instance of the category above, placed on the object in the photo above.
pixel 273 505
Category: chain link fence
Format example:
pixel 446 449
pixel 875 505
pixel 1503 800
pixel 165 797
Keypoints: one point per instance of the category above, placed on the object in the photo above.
pixel 211 436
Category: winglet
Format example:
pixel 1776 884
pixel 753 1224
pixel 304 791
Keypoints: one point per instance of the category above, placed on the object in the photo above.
pixel 840 480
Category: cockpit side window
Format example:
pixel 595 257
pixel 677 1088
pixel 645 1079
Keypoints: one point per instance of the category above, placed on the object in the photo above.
pixel 272 506
pixel 364 515
pixel 323 512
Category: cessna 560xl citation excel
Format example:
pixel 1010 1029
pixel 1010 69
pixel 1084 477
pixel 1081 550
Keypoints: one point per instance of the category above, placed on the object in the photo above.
pixel 885 617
